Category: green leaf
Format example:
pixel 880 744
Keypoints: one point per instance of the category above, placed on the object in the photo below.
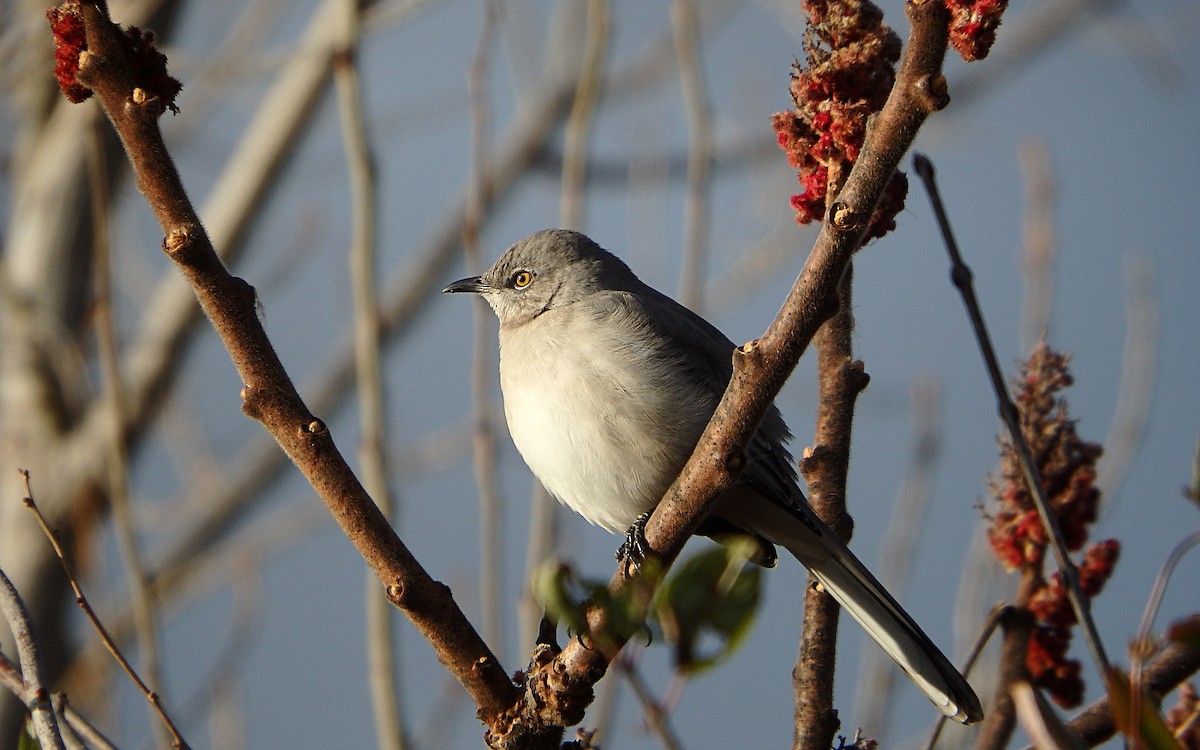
pixel 27 740
pixel 712 595
pixel 567 597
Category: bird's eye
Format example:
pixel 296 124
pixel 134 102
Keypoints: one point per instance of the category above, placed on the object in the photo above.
pixel 521 279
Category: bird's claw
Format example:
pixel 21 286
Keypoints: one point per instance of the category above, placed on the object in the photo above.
pixel 635 549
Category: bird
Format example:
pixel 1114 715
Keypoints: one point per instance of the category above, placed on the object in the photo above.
pixel 607 385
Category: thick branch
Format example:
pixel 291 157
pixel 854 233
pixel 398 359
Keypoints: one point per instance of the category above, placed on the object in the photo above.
pixel 841 380
pixel 1175 664
pixel 268 394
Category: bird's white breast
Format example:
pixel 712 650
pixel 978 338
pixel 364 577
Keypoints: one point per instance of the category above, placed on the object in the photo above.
pixel 587 412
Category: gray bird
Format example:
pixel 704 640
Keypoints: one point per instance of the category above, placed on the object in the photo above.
pixel 607 386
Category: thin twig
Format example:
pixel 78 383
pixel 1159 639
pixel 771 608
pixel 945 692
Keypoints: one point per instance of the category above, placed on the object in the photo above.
pixel 993 620
pixel 382 674
pixel 1040 250
pixel 657 719
pixel 41 709
pixel 176 739
pixel 686 32
pixel 124 522
pixel 575 136
pixel 1138 365
pixel 483 427
pixel 11 679
pixel 877 677
pixel 961 276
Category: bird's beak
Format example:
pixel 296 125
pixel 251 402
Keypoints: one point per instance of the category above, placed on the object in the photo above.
pixel 471 284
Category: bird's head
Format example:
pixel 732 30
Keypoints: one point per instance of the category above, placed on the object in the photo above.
pixel 548 269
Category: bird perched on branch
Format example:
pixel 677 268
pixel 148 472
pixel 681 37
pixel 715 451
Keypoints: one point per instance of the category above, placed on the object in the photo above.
pixel 607 387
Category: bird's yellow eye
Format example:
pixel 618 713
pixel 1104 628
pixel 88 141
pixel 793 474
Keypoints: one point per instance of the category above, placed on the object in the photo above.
pixel 522 279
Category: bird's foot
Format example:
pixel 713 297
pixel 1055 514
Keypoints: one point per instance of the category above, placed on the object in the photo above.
pixel 548 633
pixel 635 549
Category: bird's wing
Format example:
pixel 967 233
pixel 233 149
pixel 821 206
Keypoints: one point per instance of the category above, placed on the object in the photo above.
pixel 704 356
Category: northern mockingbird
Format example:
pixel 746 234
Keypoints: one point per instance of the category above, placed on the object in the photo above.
pixel 607 386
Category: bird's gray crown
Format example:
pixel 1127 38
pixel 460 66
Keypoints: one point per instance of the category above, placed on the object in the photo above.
pixel 548 269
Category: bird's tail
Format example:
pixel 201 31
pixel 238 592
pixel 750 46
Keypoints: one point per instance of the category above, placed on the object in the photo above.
pixel 866 600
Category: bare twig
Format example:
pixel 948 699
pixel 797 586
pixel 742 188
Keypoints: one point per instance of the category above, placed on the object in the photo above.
pixel 41 709
pixel 877 678
pixel 993 621
pixel 1040 250
pixel 176 739
pixel 841 379
pixel 124 523
pixel 961 275
pixel 657 719
pixel 575 136
pixel 686 32
pixel 11 679
pixel 483 427
pixel 1138 365
pixel 372 405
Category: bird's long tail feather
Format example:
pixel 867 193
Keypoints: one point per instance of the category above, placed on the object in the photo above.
pixel 862 596
pixel 866 600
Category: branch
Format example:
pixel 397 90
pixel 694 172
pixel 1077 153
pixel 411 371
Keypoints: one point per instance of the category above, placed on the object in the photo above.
pixel 382 675
pixel 268 394
pixel 1175 664
pixel 824 467
pixel 1016 622
pixel 961 275
pixel 177 740
pixel 560 689
pixel 11 679
pixel 37 701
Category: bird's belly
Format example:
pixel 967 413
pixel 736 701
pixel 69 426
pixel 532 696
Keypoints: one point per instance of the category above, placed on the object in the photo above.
pixel 588 444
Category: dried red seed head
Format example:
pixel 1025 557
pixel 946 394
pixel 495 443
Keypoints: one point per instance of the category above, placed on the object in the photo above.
pixel 70 41
pixel 973 25
pixel 849 70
